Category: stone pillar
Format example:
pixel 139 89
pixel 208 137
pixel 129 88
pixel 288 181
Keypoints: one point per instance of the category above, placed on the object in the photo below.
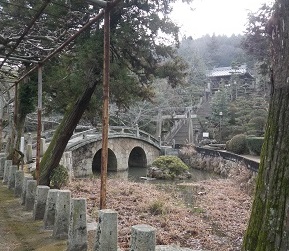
pixel 106 233
pixel 49 215
pixel 40 202
pixel 62 213
pixel 29 153
pixel 7 165
pixel 67 162
pixel 77 234
pixel 24 186
pixel 22 144
pixel 143 238
pixel 42 147
pixel 11 177
pixel 30 194
pixel 29 138
pixel 19 178
pixel 2 164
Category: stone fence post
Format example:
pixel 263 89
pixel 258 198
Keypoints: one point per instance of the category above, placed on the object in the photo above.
pixel 19 179
pixel 40 202
pixel 42 147
pixel 30 194
pixel 7 165
pixel 62 213
pixel 24 187
pixel 106 233
pixel 77 233
pixel 29 153
pixel 143 238
pixel 11 176
pixel 49 215
pixel 2 164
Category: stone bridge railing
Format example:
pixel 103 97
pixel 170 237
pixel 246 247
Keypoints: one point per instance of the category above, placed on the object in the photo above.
pixel 119 131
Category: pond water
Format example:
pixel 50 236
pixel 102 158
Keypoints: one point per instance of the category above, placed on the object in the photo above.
pixel 184 187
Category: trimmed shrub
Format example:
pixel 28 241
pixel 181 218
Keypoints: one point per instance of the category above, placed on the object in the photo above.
pixel 173 164
pixel 59 177
pixel 238 144
pixel 255 144
pixel 227 145
pixel 257 123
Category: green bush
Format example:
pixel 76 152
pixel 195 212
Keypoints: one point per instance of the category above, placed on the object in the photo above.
pixel 173 164
pixel 59 177
pixel 238 144
pixel 257 123
pixel 227 145
pixel 255 144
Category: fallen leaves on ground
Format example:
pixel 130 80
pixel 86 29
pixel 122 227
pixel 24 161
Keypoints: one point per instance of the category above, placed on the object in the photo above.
pixel 212 215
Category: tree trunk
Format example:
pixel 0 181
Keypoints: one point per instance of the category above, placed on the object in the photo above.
pixel 62 135
pixel 269 222
pixel 268 227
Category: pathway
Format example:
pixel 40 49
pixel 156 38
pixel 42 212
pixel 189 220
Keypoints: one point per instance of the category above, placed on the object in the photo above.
pixel 18 230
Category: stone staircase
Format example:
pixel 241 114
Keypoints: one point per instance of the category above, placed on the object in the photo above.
pixel 179 133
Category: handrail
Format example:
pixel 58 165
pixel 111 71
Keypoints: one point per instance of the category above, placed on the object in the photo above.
pixel 119 131
pixel 177 126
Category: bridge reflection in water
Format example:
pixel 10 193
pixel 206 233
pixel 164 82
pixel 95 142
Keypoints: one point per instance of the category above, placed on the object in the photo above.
pixel 137 159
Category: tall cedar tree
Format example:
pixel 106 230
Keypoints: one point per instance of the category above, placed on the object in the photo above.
pixel 268 227
pixel 136 47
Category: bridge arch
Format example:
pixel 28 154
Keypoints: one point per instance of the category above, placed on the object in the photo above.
pixel 111 163
pixel 124 151
pixel 137 158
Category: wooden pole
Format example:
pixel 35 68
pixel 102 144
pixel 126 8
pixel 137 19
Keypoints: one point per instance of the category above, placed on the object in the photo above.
pixel 1 119
pixel 105 115
pixel 39 124
pixel 15 104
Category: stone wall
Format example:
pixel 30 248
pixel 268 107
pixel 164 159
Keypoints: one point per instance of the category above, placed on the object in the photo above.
pixel 223 167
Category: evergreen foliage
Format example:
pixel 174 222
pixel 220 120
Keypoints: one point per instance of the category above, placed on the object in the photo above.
pixel 255 144
pixel 238 144
pixel 59 177
pixel 173 164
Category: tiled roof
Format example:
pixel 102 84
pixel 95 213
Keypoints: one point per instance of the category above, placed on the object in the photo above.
pixel 227 71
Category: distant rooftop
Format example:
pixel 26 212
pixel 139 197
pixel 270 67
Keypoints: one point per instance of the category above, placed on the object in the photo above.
pixel 227 71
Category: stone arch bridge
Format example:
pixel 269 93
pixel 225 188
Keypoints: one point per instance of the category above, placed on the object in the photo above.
pixel 127 147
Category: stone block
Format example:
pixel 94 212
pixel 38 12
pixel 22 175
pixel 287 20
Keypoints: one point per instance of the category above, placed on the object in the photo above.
pixel 49 215
pixel 11 176
pixel 30 195
pixel 143 238
pixel 106 233
pixel 42 147
pixel 40 202
pixel 77 233
pixel 2 164
pixel 7 165
pixel 19 178
pixel 62 214
pixel 29 153
pixel 24 186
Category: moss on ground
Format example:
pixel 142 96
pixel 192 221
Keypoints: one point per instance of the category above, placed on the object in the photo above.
pixel 19 232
